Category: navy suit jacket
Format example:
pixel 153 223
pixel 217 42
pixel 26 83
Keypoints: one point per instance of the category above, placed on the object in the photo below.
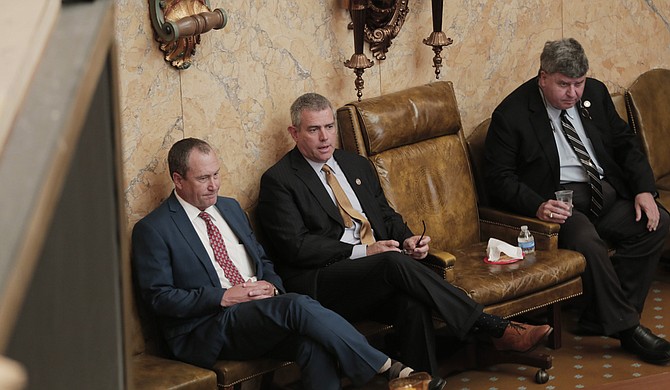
pixel 522 164
pixel 177 280
pixel 302 224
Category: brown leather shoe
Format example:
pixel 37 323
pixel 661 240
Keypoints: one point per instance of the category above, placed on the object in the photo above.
pixel 521 337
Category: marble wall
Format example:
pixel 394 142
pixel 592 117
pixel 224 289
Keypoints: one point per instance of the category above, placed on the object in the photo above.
pixel 244 77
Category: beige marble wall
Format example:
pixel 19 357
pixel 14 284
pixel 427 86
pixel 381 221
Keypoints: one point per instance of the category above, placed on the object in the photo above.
pixel 237 92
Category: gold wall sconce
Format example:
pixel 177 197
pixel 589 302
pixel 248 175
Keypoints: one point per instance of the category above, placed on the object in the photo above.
pixel 178 24
pixel 437 39
pixel 378 22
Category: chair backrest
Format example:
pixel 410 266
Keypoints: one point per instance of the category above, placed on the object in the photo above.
pixel 619 101
pixel 475 142
pixel 648 99
pixel 414 139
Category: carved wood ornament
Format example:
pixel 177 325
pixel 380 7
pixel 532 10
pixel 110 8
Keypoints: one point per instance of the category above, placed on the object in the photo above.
pixel 178 24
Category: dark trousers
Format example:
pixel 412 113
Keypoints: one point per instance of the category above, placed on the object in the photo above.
pixel 614 288
pixel 296 327
pixel 393 287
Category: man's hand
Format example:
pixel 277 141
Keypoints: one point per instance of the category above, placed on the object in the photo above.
pixel 416 250
pixel 247 291
pixel 553 211
pixel 644 201
pixel 382 246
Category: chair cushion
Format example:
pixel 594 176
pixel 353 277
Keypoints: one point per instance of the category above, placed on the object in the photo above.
pixel 152 372
pixel 231 372
pixel 491 283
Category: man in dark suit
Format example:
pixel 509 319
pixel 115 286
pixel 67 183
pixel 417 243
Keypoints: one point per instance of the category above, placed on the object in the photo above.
pixel 560 130
pixel 215 293
pixel 342 244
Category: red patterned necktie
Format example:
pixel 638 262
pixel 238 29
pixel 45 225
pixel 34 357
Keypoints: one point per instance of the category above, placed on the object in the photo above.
pixel 220 253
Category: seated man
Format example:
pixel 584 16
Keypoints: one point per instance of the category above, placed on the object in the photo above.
pixel 335 237
pixel 215 294
pixel 560 130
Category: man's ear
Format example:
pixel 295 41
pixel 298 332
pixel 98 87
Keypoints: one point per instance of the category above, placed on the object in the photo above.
pixel 177 180
pixel 293 131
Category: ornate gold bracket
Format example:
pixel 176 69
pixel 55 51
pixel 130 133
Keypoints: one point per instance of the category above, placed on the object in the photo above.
pixel 178 24
pixel 437 38
pixel 377 22
pixel 383 21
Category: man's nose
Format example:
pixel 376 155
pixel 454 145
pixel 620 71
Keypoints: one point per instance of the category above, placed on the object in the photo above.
pixel 323 134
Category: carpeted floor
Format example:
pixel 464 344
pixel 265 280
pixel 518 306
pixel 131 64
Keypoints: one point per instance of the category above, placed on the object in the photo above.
pixel 583 361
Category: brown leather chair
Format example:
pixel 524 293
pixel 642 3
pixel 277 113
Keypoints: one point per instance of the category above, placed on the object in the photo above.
pixel 647 100
pixel 152 368
pixel 415 141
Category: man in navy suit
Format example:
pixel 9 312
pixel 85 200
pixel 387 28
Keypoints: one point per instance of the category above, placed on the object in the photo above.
pixel 205 315
pixel 560 130
pixel 320 254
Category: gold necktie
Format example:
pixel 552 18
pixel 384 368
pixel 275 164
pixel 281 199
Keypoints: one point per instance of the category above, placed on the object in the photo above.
pixel 347 210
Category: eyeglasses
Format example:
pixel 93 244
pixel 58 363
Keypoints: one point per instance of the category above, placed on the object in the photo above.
pixel 423 233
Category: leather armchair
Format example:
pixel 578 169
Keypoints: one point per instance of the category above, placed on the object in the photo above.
pixel 414 139
pixel 647 101
pixel 151 366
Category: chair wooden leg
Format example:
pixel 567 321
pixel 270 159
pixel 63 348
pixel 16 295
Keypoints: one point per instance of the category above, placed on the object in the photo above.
pixel 554 317
pixel 266 382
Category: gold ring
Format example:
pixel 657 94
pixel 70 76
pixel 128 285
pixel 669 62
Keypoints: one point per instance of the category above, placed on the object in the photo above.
pixel 551 215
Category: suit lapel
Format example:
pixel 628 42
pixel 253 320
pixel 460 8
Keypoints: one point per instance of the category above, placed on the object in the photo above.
pixel 590 128
pixel 192 239
pixel 238 227
pixel 305 173
pixel 543 130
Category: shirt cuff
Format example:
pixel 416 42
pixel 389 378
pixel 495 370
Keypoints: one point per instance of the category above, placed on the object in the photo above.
pixel 359 251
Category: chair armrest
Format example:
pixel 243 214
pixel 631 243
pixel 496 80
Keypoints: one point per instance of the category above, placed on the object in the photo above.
pixel 505 226
pixel 441 262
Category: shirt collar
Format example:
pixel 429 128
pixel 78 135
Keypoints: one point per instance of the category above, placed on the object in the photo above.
pixel 316 166
pixel 193 212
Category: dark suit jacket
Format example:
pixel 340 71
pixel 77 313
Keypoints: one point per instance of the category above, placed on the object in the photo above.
pixel 302 224
pixel 522 165
pixel 178 282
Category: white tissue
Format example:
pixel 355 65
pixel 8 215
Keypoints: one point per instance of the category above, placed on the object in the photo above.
pixel 496 247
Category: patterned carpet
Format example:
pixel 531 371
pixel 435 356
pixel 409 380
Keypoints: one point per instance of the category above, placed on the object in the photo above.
pixel 583 361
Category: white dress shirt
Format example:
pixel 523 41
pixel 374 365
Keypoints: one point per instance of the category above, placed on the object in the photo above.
pixel 572 169
pixel 236 251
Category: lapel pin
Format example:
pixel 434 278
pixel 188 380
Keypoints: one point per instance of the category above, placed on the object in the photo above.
pixel 358 181
pixel 587 103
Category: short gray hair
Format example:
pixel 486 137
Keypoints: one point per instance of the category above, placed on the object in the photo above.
pixel 565 56
pixel 311 102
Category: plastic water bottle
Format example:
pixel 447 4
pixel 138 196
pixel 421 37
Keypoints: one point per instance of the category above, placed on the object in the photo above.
pixel 526 241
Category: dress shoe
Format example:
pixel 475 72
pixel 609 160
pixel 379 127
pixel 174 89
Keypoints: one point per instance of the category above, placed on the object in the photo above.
pixel 521 337
pixel 646 345
pixel 437 383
